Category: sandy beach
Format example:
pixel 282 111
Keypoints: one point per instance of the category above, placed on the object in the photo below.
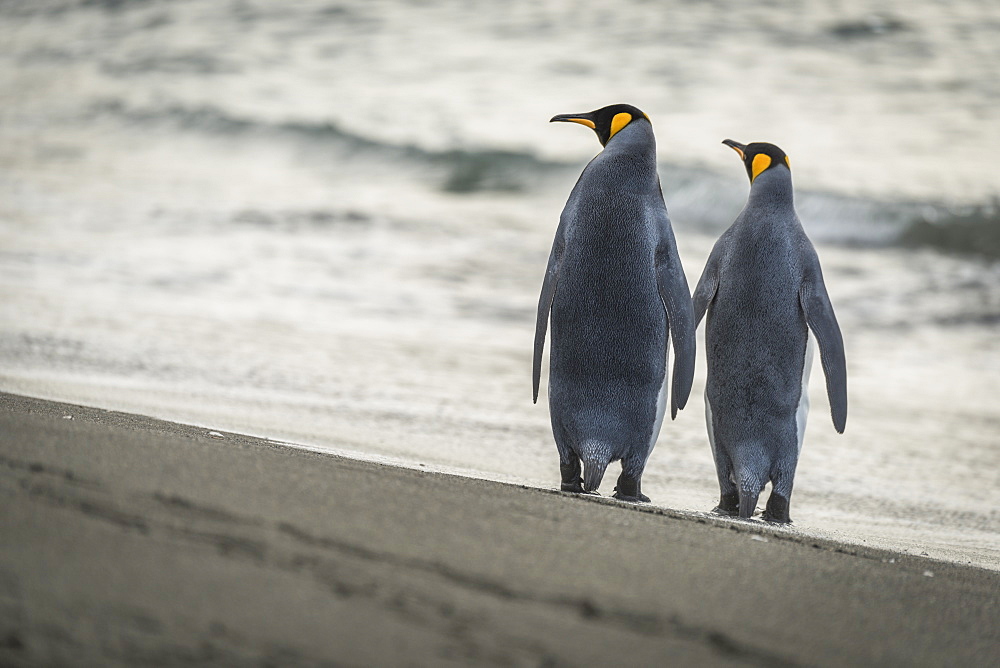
pixel 133 541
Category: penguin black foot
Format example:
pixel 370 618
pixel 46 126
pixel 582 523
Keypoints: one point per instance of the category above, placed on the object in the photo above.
pixel 638 498
pixel 629 489
pixel 776 511
pixel 729 505
pixel 569 471
pixel 576 487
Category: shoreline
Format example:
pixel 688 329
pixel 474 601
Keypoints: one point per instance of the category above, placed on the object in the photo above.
pixel 891 541
pixel 132 539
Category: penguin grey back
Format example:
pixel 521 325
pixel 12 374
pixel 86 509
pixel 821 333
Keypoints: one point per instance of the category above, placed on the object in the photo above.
pixel 615 292
pixel 763 290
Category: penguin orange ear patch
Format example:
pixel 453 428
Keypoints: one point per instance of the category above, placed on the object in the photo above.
pixel 761 161
pixel 787 164
pixel 620 120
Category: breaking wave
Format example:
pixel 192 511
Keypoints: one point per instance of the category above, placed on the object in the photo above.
pixel 697 198
pixel 458 171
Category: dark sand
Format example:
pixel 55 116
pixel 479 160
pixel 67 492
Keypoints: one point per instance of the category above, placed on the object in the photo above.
pixel 131 541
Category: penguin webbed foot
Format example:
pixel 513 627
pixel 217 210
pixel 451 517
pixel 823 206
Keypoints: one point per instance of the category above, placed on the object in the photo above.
pixel 629 489
pixel 729 505
pixel 576 487
pixel 776 511
pixel 638 498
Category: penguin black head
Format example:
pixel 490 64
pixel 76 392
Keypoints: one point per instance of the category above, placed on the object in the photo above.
pixel 759 156
pixel 606 121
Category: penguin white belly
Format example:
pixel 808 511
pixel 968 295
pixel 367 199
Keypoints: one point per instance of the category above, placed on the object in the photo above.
pixel 661 406
pixel 802 412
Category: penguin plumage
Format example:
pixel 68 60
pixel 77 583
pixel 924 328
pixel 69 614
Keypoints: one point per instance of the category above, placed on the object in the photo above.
pixel 615 293
pixel 763 291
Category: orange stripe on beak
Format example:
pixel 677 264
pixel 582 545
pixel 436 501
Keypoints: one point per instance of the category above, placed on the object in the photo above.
pixel 582 119
pixel 736 146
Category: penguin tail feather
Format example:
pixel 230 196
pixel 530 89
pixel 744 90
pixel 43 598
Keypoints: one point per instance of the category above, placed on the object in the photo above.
pixel 595 457
pixel 593 473
pixel 748 504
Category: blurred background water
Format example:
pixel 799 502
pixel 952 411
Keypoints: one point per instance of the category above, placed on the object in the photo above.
pixel 327 222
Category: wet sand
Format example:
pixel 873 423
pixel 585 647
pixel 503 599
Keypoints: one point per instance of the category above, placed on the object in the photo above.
pixel 129 540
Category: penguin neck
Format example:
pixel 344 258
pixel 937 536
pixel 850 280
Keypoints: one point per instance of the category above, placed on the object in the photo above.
pixel 636 140
pixel 773 189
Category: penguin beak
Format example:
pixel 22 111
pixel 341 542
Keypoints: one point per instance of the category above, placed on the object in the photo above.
pixel 736 146
pixel 582 119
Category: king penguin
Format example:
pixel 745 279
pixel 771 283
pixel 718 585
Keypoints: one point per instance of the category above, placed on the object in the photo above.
pixel 615 293
pixel 763 290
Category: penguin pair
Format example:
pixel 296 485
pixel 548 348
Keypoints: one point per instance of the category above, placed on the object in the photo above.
pixel 615 294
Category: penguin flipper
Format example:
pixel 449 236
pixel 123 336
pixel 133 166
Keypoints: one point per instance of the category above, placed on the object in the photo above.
pixel 704 292
pixel 544 307
pixel 823 322
pixel 676 298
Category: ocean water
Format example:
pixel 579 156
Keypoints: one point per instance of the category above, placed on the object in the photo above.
pixel 327 223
